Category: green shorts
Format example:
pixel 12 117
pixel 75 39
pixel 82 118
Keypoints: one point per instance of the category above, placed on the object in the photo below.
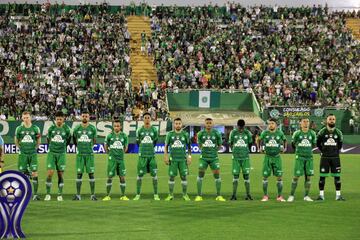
pixel 146 165
pixel 303 166
pixel 239 165
pixel 28 162
pixel 175 166
pixel 56 161
pixel 214 164
pixel 272 164
pixel 85 161
pixel 116 167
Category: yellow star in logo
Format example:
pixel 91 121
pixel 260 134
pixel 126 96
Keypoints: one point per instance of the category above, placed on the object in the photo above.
pixel 10 190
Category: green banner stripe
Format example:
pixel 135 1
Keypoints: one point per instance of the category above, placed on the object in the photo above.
pixel 194 98
pixel 215 99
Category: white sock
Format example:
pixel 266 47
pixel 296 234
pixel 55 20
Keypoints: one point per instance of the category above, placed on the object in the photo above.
pixel 338 193
pixel 322 193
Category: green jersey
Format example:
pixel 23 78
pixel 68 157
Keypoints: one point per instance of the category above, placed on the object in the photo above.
pixel 58 138
pixel 304 142
pixel 146 138
pixel 209 143
pixel 273 141
pixel 85 138
pixel 240 143
pixel 117 143
pixel 27 138
pixel 177 143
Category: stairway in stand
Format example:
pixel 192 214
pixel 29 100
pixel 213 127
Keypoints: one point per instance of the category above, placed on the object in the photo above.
pixel 142 65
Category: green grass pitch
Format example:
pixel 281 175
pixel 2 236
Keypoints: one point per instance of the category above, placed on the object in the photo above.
pixel 209 219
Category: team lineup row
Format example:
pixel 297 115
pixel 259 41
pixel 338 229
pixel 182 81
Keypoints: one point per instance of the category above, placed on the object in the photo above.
pixel 271 141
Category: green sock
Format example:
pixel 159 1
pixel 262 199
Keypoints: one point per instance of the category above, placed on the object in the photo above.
pixel 171 187
pixel 199 185
pixel 293 187
pixel 265 187
pixel 92 184
pixel 184 187
pixel 138 185
pixel 307 187
pixel 155 184
pixel 60 185
pixel 235 185
pixel 122 188
pixel 48 185
pixel 35 184
pixel 217 183
pixel 247 186
pixel 279 185
pixel 78 185
pixel 108 186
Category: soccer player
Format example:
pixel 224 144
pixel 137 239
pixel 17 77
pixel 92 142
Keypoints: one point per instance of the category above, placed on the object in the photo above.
pixel 209 141
pixel 116 144
pixel 240 141
pixel 59 136
pixel 84 137
pixel 178 140
pixel 274 142
pixel 329 142
pixel 146 137
pixel 27 139
pixel 303 141
pixel 1 154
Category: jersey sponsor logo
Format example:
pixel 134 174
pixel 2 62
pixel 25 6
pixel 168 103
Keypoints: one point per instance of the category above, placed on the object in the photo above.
pixel 117 145
pixel 57 139
pixel 27 139
pixel 177 144
pixel 272 143
pixel 147 139
pixel 208 143
pixel 330 142
pixel 84 138
pixel 304 143
pixel 240 143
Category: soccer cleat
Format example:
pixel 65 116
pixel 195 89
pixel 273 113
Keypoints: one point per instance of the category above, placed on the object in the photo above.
pixel 36 198
pixel 137 197
pixel 93 198
pixel 308 199
pixel 47 197
pixel 340 198
pixel 233 198
pixel 156 197
pixel 186 198
pixel 107 198
pixel 77 198
pixel 169 198
pixel 198 199
pixel 220 199
pixel 320 198
pixel 265 198
pixel 60 198
pixel 248 197
pixel 291 198
pixel 124 198
pixel 280 199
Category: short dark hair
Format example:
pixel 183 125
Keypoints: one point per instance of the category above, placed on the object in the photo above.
pixel 302 118
pixel 116 120
pixel 241 123
pixel 146 113
pixel 59 114
pixel 85 111
pixel 272 120
pixel 208 119
pixel 177 119
pixel 330 115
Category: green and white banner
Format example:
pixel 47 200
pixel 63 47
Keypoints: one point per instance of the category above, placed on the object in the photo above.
pixel 204 99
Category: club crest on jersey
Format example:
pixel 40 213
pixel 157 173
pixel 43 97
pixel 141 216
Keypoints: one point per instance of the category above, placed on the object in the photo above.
pixel 117 145
pixel 330 142
pixel 208 143
pixel 27 139
pixel 147 139
pixel 84 138
pixel 57 139
pixel 177 144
